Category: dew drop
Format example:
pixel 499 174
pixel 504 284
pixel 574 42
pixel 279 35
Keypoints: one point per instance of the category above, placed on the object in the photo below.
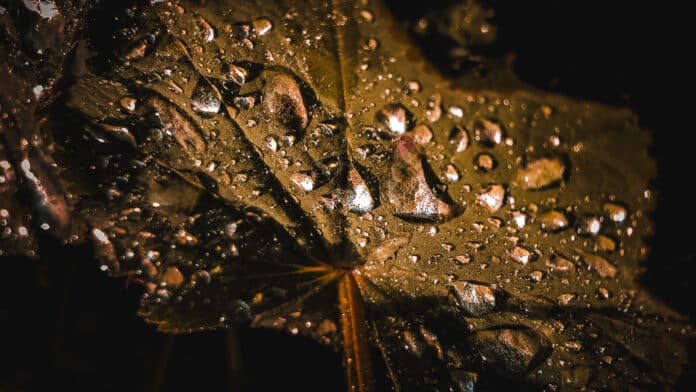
pixel 615 212
pixel 205 99
pixel 553 221
pixel 473 299
pixel 359 199
pixel 491 197
pixel 488 132
pixel 459 138
pixel 395 118
pixel 451 173
pixel 422 134
pixel 303 181
pixel 235 73
pixel 484 162
pixel 284 101
pixel 540 173
pixel 261 26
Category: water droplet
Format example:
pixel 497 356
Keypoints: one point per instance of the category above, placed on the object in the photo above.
pixel 475 300
pixel 283 100
pixel 172 277
pixel 560 263
pixel 371 44
pixel 271 143
pixel 589 225
pixel 488 132
pixel 520 255
pixel 456 111
pixel 451 173
pixel 604 243
pixel 206 30
pixel 205 99
pixel 491 197
pixel 386 249
pixel 520 219
pixel 261 26
pixel 485 162
pixel 359 199
pixel 615 212
pixel 553 221
pixel 422 134
pixel 303 181
pixel 536 276
pixel 602 266
pixel 395 118
pixel 511 351
pixel 434 109
pixel 367 15
pixel 235 73
pixel 459 138
pixel 540 173
pixel 564 299
pixel 414 86
pixel 119 133
pixel 128 103
pixel 407 188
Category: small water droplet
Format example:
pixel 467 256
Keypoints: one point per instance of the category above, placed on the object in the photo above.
pixel 261 26
pixel 459 138
pixel 394 118
pixel 206 29
pixel 520 255
pixel 553 221
pixel 485 162
pixel 303 181
pixel 560 263
pixel 488 132
pixel 451 173
pixel 235 73
pixel 128 103
pixel 589 225
pixel 422 134
pixel 520 219
pixel 615 212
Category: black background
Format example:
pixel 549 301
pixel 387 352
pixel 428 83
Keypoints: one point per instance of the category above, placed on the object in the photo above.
pixel 63 324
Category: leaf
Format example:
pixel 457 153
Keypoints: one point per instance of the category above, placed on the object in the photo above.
pixel 300 166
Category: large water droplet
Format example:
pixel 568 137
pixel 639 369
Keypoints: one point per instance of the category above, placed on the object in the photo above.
pixel 359 199
pixel 407 187
pixel 475 300
pixel 205 99
pixel 284 101
pixel 394 118
pixel 488 132
pixel 491 197
pixel 511 351
pixel 540 173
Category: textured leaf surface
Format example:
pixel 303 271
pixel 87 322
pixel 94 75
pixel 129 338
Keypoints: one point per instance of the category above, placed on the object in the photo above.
pixel 240 159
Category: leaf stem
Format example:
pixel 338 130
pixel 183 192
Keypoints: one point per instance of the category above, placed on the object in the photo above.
pixel 356 351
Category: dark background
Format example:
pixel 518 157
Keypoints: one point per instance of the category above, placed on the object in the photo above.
pixel 64 324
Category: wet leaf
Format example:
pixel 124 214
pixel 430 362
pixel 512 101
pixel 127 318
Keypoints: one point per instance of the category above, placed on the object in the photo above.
pixel 275 165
